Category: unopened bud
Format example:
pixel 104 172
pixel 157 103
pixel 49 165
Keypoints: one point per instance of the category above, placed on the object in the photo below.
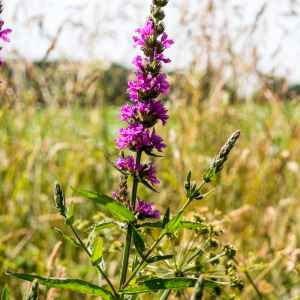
pixel 157 13
pixel 34 290
pixel 160 3
pixel 58 197
pixel 199 289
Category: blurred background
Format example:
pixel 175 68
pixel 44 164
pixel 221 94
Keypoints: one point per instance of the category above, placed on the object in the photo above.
pixel 235 65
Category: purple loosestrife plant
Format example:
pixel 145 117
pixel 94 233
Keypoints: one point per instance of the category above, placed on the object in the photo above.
pixel 195 261
pixel 3 33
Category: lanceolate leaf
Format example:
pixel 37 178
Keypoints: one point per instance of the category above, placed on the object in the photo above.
pixel 146 184
pixel 66 283
pixel 208 175
pixel 106 224
pixel 68 238
pixel 173 225
pixel 189 224
pixel 166 218
pixel 158 258
pixel 117 209
pixel 158 224
pixel 97 253
pixel 121 171
pixel 152 154
pixel 5 294
pixel 70 217
pixel 90 237
pixel 139 242
pixel 153 285
pixel 200 197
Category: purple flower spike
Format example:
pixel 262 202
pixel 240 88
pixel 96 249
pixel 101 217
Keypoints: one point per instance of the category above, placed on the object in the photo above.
pixel 4 33
pixel 145 210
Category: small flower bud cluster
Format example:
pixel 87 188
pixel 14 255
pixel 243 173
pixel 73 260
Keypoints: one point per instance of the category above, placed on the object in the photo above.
pixel 59 197
pixel 3 33
pixel 122 193
pixel 222 157
pixel 235 282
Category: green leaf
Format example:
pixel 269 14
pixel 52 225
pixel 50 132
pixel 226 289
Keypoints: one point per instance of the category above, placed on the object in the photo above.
pixel 158 258
pixel 152 154
pixel 146 184
pixel 132 297
pixel 90 237
pixel 117 209
pixel 5 294
pixel 166 218
pixel 68 238
pixel 66 283
pixel 134 263
pixel 153 285
pixel 106 224
pixel 139 242
pixel 189 224
pixel 188 177
pixel 102 264
pixel 173 225
pixel 149 225
pixel 118 169
pixel 70 217
pixel 208 175
pixel 200 197
pixel 140 279
pixel 97 253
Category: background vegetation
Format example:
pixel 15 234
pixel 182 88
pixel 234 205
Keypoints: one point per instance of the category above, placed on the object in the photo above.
pixel 59 118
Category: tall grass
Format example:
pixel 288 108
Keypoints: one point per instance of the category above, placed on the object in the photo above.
pixel 257 202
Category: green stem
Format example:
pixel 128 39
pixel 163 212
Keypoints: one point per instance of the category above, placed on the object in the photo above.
pixel 165 295
pixel 143 259
pixel 251 281
pixel 174 253
pixel 98 267
pixel 129 230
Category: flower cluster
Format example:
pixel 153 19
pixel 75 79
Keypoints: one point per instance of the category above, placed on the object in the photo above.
pixel 146 111
pixel 3 33
pixel 144 210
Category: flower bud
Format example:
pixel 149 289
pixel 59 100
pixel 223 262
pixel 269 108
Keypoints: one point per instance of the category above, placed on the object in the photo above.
pixel 160 3
pixel 34 290
pixel 59 197
pixel 157 13
pixel 160 28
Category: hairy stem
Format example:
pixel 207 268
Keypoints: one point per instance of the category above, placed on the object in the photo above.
pixel 98 267
pixel 129 230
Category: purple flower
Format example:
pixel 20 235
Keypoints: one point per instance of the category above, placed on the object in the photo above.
pixel 145 210
pixel 4 33
pixel 1 61
pixel 148 87
pixel 145 113
pixel 148 173
pixel 144 33
pixel 135 137
pixel 160 57
pixel 166 43
pixel 127 164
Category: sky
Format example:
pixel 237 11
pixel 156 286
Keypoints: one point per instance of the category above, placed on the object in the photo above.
pixel 103 30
